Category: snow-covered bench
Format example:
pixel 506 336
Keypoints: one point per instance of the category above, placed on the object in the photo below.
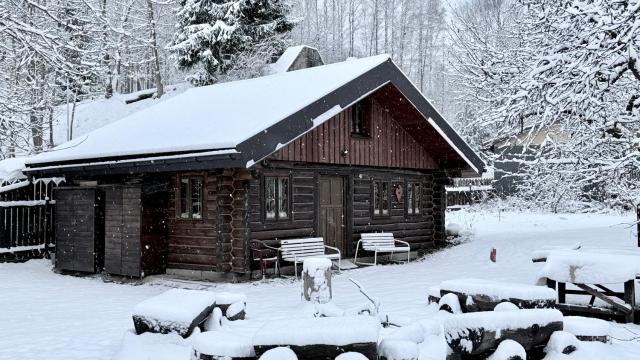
pixel 380 243
pixel 296 250
pixel 174 311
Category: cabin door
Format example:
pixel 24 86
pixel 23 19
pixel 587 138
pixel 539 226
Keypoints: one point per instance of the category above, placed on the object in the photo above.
pixel 331 224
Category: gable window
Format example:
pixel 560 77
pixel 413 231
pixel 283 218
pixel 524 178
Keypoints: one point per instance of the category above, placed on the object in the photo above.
pixel 276 198
pixel 191 197
pixel 414 198
pixel 360 124
pixel 381 198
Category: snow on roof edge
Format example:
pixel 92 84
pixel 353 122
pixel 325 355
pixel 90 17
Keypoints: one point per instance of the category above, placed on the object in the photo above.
pixel 441 132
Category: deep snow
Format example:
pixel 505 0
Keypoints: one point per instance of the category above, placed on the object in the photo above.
pixel 65 317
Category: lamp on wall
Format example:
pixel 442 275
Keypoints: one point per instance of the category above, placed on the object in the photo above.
pixel 344 152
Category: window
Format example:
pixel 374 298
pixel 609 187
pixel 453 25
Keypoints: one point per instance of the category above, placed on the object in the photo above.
pixel 276 198
pixel 414 198
pixel 360 119
pixel 191 197
pixel 381 198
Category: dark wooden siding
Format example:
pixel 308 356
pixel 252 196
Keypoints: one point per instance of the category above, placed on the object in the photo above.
pixel 421 231
pixel 302 222
pixel 388 146
pixel 122 230
pixel 79 229
pixel 192 244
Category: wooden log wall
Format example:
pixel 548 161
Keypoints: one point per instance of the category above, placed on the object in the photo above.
pixel 421 231
pixel 193 244
pixel 232 220
pixel 218 241
pixel 388 145
pixel 303 219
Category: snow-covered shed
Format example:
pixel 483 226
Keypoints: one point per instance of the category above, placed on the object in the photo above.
pixel 329 151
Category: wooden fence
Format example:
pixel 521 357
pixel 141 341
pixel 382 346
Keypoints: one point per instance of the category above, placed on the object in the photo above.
pixel 467 191
pixel 26 220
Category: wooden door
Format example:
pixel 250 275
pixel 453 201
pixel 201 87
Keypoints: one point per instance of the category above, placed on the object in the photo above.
pixel 79 229
pixel 331 224
pixel 122 230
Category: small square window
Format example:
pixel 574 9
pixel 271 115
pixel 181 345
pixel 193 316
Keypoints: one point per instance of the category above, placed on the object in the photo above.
pixel 360 124
pixel 276 198
pixel 190 197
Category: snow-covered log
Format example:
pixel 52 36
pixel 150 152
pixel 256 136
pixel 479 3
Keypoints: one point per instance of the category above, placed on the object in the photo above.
pixel 587 329
pixel 483 295
pixel 223 344
pixel 174 311
pixel 476 334
pixel 321 338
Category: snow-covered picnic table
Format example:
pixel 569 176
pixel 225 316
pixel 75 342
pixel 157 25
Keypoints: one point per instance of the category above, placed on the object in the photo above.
pixel 590 270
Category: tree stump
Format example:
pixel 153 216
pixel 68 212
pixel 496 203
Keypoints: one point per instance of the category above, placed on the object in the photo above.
pixel 316 280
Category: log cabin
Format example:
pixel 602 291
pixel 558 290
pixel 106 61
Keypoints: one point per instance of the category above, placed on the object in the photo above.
pixel 316 150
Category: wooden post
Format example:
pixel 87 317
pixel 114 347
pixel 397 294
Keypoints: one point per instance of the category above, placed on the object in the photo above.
pixel 562 293
pixel 316 280
pixel 630 298
pixel 638 223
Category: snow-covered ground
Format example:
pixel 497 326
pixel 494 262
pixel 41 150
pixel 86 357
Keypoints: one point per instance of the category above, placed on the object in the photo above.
pixel 45 315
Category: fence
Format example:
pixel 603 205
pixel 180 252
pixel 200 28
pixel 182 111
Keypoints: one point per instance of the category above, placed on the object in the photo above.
pixel 467 191
pixel 26 220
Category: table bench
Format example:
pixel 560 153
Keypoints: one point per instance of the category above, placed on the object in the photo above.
pixel 296 250
pixel 380 243
pixel 590 273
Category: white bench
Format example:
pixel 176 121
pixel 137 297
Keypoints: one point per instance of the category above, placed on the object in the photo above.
pixel 380 243
pixel 296 250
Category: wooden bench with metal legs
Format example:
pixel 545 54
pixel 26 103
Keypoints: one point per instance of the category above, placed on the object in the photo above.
pixel 296 250
pixel 380 243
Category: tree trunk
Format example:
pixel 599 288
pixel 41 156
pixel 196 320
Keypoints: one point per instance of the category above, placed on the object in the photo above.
pixel 316 279
pixel 154 50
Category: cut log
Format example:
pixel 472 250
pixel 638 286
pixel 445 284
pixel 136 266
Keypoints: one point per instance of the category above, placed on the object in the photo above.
pixel 587 329
pixel 316 280
pixel 474 335
pixel 482 295
pixel 321 338
pixel 223 344
pixel 326 352
pixel 160 314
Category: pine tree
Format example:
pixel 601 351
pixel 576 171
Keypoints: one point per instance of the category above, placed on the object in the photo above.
pixel 211 34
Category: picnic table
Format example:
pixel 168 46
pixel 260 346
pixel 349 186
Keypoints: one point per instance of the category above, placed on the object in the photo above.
pixel 593 272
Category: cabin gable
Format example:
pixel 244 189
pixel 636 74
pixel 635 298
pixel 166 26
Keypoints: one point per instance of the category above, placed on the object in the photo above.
pixel 386 144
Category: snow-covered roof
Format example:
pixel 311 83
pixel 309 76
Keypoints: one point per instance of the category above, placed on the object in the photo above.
pixel 11 170
pixel 237 124
pixel 212 117
pixel 284 62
